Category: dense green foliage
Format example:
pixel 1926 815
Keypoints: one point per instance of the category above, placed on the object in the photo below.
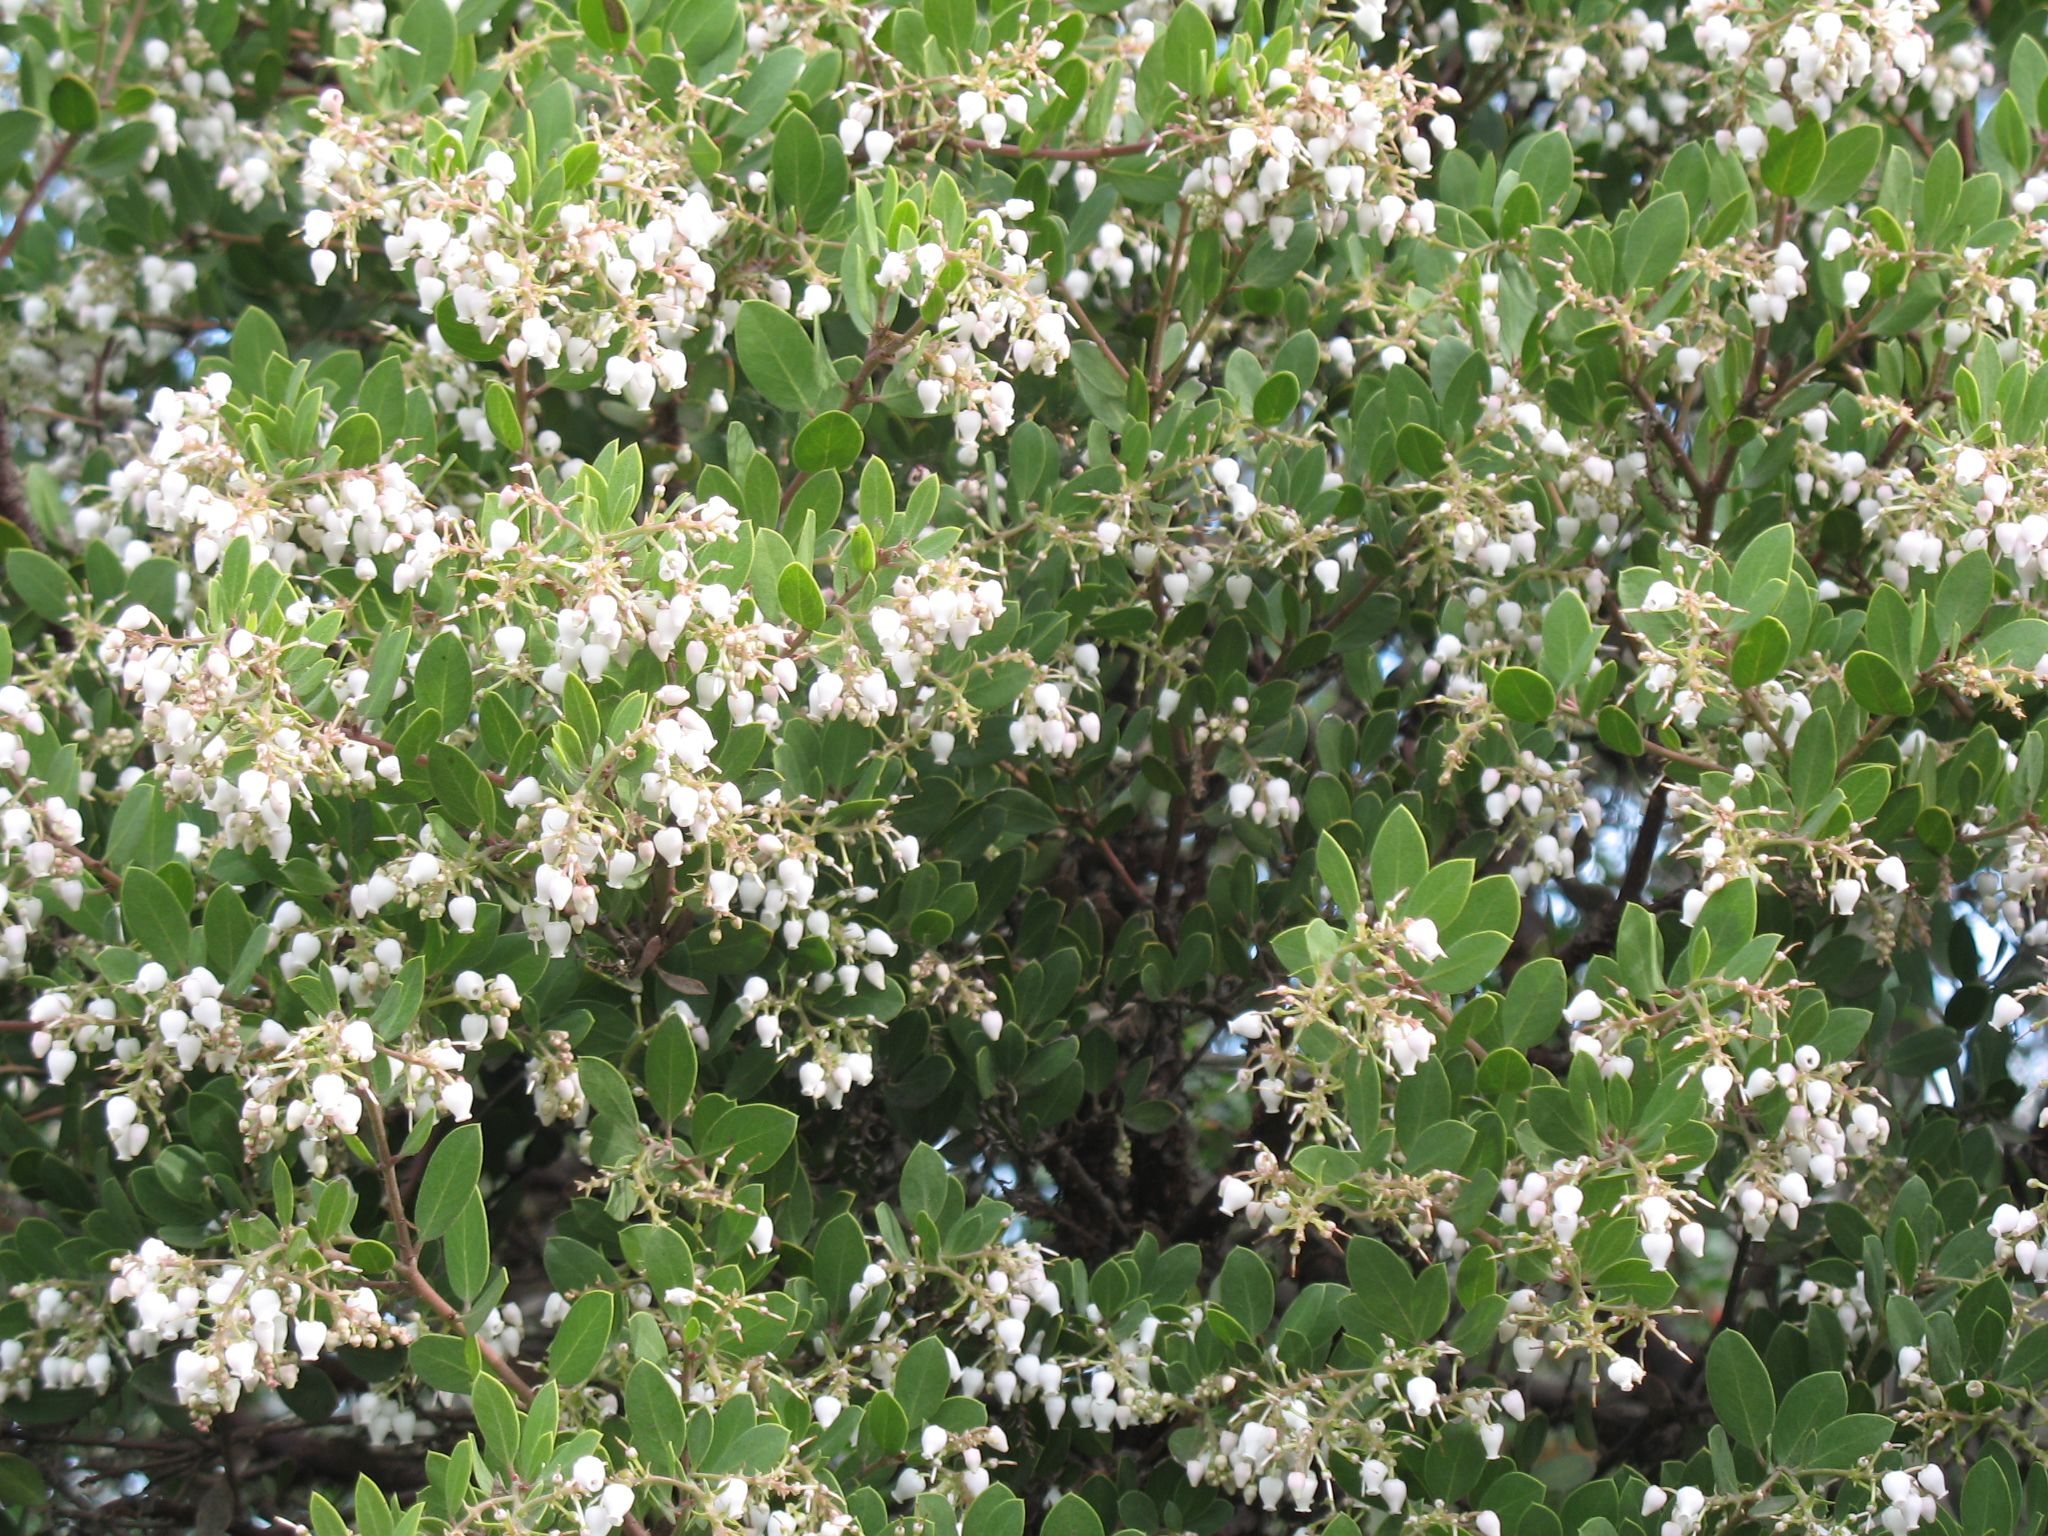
pixel 770 769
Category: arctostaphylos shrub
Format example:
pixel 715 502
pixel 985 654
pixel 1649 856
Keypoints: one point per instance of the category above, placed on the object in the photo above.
pixel 770 768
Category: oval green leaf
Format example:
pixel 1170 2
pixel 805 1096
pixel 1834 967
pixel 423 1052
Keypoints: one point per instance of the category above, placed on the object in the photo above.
pixel 1876 685
pixel 1792 163
pixel 802 601
pixel 776 353
pixel 1851 157
pixel 501 414
pixel 430 35
pixel 1421 450
pixel 1524 695
pixel 671 1070
pixel 831 441
pixel 579 1344
pixel 1760 653
pixel 1276 399
pixel 1739 1387
pixel 1656 241
pixel 41 583
pixel 451 1178
pixel 1620 733
pixel 74 107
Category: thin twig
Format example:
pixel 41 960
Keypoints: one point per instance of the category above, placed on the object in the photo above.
pixel 408 1257
pixel 1097 152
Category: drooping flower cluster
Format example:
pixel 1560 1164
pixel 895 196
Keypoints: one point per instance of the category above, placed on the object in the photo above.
pixel 611 286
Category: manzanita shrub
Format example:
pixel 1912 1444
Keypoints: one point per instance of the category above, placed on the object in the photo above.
pixel 771 768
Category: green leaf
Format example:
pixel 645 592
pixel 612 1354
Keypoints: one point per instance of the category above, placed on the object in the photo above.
pixel 1190 42
pixel 671 1071
pixel 608 1091
pixel 877 500
pixel 74 106
pixel 255 342
pixel 41 583
pixel 1276 399
pixel 1174 76
pixel 1729 917
pixel 1792 163
pixel 952 25
pixel 832 441
pixel 1569 640
pixel 497 1416
pixel 652 1407
pixel 997 1512
pixel 387 665
pixel 157 918
pixel 1851 157
pixel 1404 1306
pixel 1524 695
pixel 1639 952
pixel 466 1248
pixel 1400 857
pixel 1072 1516
pixel 579 1344
pixel 400 1004
pixel 760 1449
pixel 1811 1403
pixel 921 1379
pixel 1925 1052
pixel 2023 642
pixel 1466 961
pixel 925 1182
pixel 1384 1284
pixel 21 1485
pixel 810 174
pixel 372 1257
pixel 442 1361
pixel 1421 451
pixel 1655 241
pixel 777 355
pixel 1760 654
pixel 753 1135
pixel 1151 1117
pixel 1987 1500
pixel 357 440
pixel 1936 828
pixel 1965 593
pixel 1534 1004
pixel 1739 1387
pixel 1940 188
pixel 605 23
pixel 464 337
pixel 1841 1445
pixel 428 33
pixel 801 598
pixel 2028 71
pixel 580 163
pixel 444 679
pixel 1246 1290
pixel 1454 1462
pixel 1442 894
pixel 450 1179
pixel 501 414
pixel 1620 733
pixel 460 786
pixel 19 130
pixel 884 1428
pixel 326 1519
pixel 1338 873
pixel 1876 685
